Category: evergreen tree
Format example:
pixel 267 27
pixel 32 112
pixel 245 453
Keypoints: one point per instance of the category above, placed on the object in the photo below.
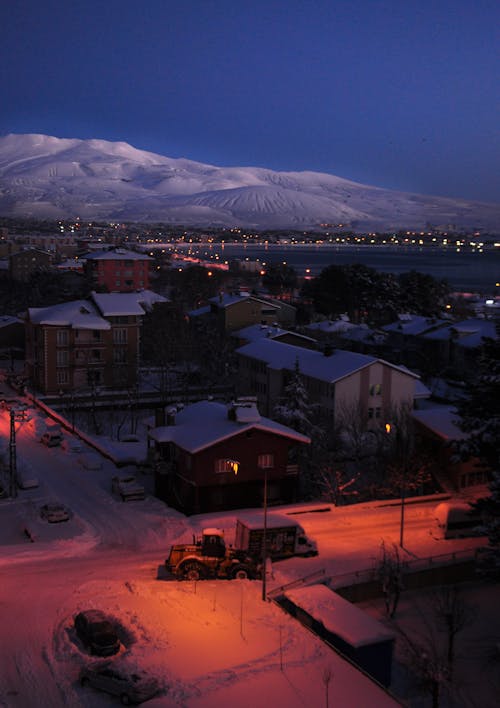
pixel 294 409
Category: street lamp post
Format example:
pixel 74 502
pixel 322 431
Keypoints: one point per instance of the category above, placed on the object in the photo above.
pixel 264 540
pixel 12 454
pixel 403 492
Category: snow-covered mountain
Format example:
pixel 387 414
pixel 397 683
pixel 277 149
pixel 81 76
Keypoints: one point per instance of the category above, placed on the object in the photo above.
pixel 47 177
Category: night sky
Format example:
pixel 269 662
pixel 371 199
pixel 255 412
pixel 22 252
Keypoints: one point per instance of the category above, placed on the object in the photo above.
pixel 399 93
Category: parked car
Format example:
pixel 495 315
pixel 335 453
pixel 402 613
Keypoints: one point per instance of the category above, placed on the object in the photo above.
pixel 131 685
pixel 127 487
pixel 72 444
pixel 26 478
pixel 96 632
pixel 90 461
pixel 52 438
pixel 54 512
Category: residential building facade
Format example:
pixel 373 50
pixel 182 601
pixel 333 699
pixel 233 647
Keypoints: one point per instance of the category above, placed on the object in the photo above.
pixel 337 380
pixel 118 270
pixel 213 457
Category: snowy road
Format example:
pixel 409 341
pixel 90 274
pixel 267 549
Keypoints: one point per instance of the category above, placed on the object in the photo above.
pixel 108 556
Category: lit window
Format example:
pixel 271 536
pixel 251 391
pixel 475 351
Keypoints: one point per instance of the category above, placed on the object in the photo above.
pixel 224 464
pixel 265 462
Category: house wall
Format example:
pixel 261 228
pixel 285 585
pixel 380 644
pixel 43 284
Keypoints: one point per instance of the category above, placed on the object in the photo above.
pixel 120 274
pixel 195 486
pixel 248 312
pixel 376 388
pixel 86 358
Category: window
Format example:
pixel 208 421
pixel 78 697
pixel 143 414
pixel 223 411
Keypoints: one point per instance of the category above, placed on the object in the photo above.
pixel 62 357
pixel 96 355
pixel 120 356
pixel 62 337
pixel 370 413
pixel 376 390
pixel 96 334
pixel 265 462
pixel 119 336
pixel 226 465
pixel 62 376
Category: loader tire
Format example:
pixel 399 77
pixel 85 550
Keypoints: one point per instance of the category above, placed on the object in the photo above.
pixel 241 572
pixel 193 571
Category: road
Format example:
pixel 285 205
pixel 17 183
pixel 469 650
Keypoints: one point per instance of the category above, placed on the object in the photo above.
pixel 39 596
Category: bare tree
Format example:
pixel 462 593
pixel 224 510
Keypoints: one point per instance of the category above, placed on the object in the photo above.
pixel 453 615
pixel 389 571
pixel 427 663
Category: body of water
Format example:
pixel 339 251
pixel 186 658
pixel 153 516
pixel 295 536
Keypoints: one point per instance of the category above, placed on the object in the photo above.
pixel 466 270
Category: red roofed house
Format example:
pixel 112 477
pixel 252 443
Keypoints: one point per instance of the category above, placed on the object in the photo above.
pixel 215 457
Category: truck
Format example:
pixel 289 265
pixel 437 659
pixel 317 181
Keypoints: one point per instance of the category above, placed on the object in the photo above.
pixel 210 557
pixel 285 537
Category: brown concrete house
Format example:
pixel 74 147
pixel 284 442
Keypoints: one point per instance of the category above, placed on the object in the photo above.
pixel 214 457
pixel 86 343
pixel 24 263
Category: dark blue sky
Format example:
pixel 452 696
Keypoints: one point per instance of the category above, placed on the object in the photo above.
pixel 397 93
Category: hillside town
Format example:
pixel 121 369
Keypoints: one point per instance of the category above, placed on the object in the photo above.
pixel 204 392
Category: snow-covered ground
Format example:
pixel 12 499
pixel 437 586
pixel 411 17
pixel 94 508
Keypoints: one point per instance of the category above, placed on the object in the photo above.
pixel 211 643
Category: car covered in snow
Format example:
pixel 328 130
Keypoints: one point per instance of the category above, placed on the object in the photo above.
pixel 127 487
pixel 90 461
pixel 71 444
pixel 52 438
pixel 130 684
pixel 97 633
pixel 54 512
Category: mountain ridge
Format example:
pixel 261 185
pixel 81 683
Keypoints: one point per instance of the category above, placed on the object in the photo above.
pixel 47 177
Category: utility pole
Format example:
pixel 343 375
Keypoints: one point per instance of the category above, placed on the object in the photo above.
pixel 12 454
pixel 264 540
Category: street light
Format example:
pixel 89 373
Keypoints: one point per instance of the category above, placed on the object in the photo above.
pixel 390 428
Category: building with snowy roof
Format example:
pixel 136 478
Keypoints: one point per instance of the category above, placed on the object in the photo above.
pixel 118 270
pixel 86 343
pixel 428 342
pixel 215 456
pixel 362 639
pixel 439 432
pixel 232 311
pixel 257 331
pixel 336 380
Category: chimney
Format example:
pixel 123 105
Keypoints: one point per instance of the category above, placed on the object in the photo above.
pixel 171 411
pixel 159 417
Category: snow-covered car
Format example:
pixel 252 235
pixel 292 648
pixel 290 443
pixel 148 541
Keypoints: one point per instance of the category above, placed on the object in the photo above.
pixel 72 445
pixel 90 461
pixel 97 632
pixel 127 487
pixel 130 684
pixel 54 512
pixel 52 438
